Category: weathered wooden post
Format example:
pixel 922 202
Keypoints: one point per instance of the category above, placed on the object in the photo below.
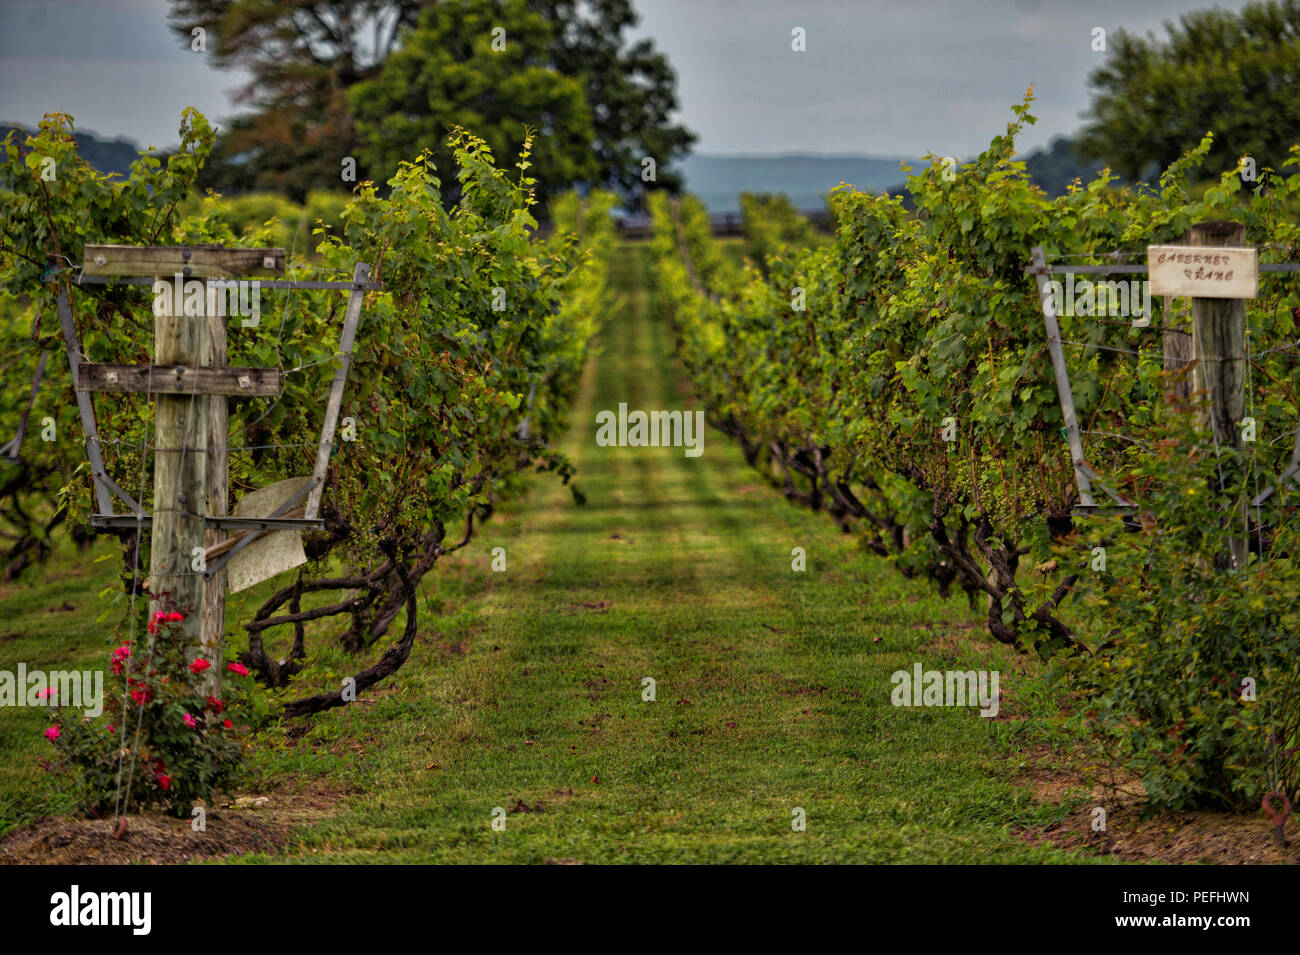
pixel 1219 340
pixel 180 475
pixel 191 379
pixel 1219 273
pixel 1177 344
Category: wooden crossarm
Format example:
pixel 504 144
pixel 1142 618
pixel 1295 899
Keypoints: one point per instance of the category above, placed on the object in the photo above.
pixel 178 380
pixel 203 262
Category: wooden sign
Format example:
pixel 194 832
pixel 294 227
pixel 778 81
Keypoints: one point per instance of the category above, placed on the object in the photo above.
pixel 272 553
pixel 1203 271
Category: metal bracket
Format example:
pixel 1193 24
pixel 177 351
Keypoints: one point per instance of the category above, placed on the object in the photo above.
pixel 1081 470
pixel 85 409
pixel 359 279
pixel 1289 474
pixel 106 488
pixel 1096 478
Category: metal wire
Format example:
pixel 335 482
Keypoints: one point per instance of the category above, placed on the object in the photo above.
pixel 1127 351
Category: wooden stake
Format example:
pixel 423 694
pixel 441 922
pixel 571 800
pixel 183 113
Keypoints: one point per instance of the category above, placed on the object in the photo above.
pixel 1219 347
pixel 1178 351
pixel 180 485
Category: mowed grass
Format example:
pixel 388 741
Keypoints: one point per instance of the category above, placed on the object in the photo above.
pixel 525 690
pixel 48 621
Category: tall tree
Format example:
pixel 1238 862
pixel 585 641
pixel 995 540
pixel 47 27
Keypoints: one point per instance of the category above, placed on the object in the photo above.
pixel 1237 74
pixel 482 65
pixel 632 90
pixel 305 55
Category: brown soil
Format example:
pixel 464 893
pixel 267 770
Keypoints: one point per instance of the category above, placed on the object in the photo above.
pixel 1061 779
pixel 249 823
pixel 1219 838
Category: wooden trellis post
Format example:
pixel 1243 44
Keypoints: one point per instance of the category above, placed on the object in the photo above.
pixel 180 475
pixel 1219 272
pixel 191 379
pixel 213 617
pixel 1219 344
pixel 1219 337
pixel 1173 273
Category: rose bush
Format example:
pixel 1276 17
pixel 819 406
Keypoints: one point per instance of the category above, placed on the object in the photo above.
pixel 163 738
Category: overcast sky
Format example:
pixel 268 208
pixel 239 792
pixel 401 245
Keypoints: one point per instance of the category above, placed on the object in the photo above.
pixel 879 77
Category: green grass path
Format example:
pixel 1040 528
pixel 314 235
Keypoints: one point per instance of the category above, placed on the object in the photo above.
pixel 525 690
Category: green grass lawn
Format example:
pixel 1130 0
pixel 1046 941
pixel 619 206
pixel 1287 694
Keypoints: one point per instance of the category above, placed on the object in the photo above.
pixel 524 690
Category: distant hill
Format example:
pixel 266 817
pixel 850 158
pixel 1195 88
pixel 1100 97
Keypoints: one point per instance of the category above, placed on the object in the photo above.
pixel 106 155
pixel 1052 168
pixel 718 181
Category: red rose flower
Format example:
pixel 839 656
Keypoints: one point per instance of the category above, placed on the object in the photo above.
pixel 165 618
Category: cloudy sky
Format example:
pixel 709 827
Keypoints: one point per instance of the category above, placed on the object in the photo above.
pixel 879 77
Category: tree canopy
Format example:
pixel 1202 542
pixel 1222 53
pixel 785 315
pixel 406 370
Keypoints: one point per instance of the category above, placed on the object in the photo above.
pixel 1237 74
pixel 451 71
pixel 566 70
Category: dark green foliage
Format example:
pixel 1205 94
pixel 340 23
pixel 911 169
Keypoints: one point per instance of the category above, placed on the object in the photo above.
pixel 840 368
pixel 1237 73
pixel 597 103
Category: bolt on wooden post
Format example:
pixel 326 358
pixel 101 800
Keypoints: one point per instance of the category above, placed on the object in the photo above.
pixel 1219 273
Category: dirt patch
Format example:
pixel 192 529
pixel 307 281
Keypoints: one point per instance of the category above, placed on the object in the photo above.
pixel 152 837
pixel 587 606
pixel 233 827
pixel 1219 838
pixel 1209 837
pixel 446 648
